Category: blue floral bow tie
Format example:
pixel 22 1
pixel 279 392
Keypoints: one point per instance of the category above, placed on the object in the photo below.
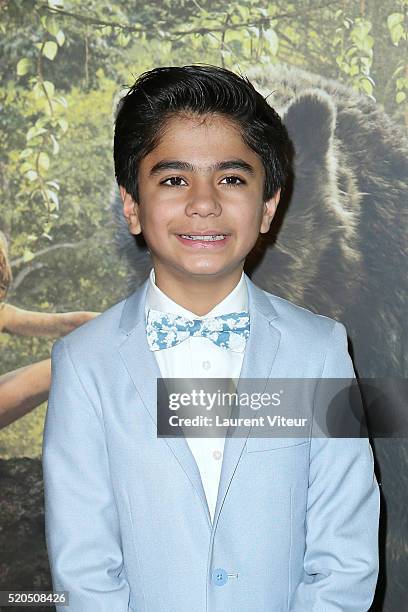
pixel 165 329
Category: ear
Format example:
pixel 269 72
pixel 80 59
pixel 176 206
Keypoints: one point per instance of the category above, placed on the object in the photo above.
pixel 130 211
pixel 270 207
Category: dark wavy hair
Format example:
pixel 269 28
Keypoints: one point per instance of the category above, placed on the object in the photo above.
pixel 200 89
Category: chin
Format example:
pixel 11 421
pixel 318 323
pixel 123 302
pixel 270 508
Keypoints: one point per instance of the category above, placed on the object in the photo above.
pixel 203 271
pixel 213 271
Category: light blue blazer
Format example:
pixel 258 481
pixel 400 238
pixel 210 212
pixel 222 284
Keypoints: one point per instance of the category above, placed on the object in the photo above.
pixel 127 522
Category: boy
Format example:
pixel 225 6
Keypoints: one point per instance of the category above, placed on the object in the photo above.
pixel 148 524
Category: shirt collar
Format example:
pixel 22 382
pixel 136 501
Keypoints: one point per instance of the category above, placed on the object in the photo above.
pixel 235 301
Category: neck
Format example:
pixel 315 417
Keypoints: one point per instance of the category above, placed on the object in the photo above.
pixel 197 293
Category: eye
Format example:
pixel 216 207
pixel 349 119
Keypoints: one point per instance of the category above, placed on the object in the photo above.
pixel 175 181
pixel 231 181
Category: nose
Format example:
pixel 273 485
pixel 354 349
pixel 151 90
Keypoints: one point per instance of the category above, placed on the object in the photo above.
pixel 203 200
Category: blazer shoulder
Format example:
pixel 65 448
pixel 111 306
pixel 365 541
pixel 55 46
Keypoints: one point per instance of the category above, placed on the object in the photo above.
pixel 303 320
pixel 96 334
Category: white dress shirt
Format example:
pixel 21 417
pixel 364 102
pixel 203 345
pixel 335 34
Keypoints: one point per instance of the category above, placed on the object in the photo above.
pixel 199 357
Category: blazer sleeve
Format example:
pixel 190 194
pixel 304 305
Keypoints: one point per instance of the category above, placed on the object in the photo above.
pixel 81 519
pixel 341 555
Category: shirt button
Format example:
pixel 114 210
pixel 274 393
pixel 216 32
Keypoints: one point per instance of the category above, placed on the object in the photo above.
pixel 206 365
pixel 217 454
pixel 219 577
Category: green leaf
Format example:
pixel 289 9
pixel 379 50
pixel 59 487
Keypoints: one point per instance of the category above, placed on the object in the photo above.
pixel 273 41
pixel 53 197
pixel 400 97
pixel 34 131
pixel 243 11
pixel 61 100
pixel 362 28
pixel 63 123
pixel 42 89
pixel 27 255
pixel 26 167
pixel 394 19
pixel 49 88
pixel 32 175
pixel 52 25
pixel 24 66
pixel 399 69
pixel 123 39
pixel 367 43
pixel 55 145
pixel 60 36
pixel 366 86
pixel 41 122
pixel 402 83
pixel 50 49
pixel 38 90
pixel 397 32
pixel 43 161
pixel 350 52
pixel 26 153
pixel 366 62
pixel 53 184
pixel 34 192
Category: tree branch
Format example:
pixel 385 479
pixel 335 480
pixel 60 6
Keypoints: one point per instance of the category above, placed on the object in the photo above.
pixel 18 279
pixel 62 245
pixel 200 30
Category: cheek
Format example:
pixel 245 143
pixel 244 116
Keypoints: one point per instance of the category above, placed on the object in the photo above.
pixel 155 215
pixel 250 218
pixel 156 224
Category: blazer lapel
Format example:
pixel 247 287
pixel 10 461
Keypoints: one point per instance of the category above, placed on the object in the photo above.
pixel 260 352
pixel 144 372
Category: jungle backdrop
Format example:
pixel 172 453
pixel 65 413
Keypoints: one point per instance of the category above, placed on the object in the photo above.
pixel 64 65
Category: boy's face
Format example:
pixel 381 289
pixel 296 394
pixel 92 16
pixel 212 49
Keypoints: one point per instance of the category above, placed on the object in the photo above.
pixel 201 178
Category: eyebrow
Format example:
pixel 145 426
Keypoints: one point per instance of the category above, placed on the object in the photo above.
pixel 230 164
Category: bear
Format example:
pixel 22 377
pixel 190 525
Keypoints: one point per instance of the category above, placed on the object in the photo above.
pixel 346 220
pixel 337 247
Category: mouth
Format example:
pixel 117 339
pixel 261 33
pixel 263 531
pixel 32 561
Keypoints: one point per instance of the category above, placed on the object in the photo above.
pixel 207 240
pixel 203 237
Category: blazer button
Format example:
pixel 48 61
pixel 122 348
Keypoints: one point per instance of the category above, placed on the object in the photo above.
pixel 219 577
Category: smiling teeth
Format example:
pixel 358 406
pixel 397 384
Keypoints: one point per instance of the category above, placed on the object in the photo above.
pixel 217 237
